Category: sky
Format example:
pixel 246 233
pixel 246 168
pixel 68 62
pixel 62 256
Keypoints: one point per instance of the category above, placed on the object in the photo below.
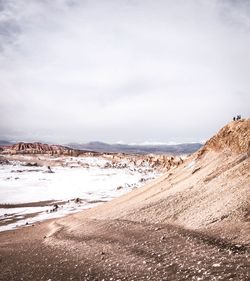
pixel 129 71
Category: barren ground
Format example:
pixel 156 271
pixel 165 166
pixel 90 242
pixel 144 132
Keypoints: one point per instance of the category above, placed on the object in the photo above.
pixel 119 250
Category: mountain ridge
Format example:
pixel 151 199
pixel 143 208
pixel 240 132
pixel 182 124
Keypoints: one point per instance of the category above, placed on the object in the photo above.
pixel 184 148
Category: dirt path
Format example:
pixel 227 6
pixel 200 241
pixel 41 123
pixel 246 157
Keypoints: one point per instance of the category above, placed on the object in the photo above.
pixel 118 250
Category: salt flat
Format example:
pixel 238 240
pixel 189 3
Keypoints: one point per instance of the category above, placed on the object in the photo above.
pixel 75 184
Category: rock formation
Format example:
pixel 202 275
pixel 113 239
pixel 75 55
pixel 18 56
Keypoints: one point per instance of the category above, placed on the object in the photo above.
pixel 118 160
pixel 39 148
pixel 234 138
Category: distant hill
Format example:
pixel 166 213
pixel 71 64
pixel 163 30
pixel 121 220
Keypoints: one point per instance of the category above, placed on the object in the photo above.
pixel 5 143
pixel 185 148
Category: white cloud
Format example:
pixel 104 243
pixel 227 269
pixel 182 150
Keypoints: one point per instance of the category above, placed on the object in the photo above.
pixel 122 70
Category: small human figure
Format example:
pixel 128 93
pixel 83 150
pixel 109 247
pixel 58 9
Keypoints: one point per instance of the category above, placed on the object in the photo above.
pixel 234 118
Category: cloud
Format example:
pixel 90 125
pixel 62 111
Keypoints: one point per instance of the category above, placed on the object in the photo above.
pixel 122 70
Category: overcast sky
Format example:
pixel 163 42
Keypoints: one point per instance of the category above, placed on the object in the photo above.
pixel 122 70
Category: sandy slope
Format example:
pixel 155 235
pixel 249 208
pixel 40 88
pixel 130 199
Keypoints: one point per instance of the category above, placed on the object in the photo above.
pixel 210 191
pixel 191 224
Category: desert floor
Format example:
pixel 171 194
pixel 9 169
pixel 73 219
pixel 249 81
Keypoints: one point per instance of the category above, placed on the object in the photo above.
pixel 118 250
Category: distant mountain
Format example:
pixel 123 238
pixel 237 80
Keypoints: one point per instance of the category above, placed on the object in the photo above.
pixel 185 148
pixel 4 143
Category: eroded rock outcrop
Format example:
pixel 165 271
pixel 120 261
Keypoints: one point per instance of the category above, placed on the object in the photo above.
pixel 234 138
pixel 39 148
pixel 161 162
pixel 114 160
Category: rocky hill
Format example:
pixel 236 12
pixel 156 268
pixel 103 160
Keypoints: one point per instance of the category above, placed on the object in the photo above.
pixel 38 148
pixel 234 137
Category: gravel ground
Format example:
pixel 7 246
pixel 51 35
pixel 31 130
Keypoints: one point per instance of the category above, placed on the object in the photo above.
pixel 118 250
